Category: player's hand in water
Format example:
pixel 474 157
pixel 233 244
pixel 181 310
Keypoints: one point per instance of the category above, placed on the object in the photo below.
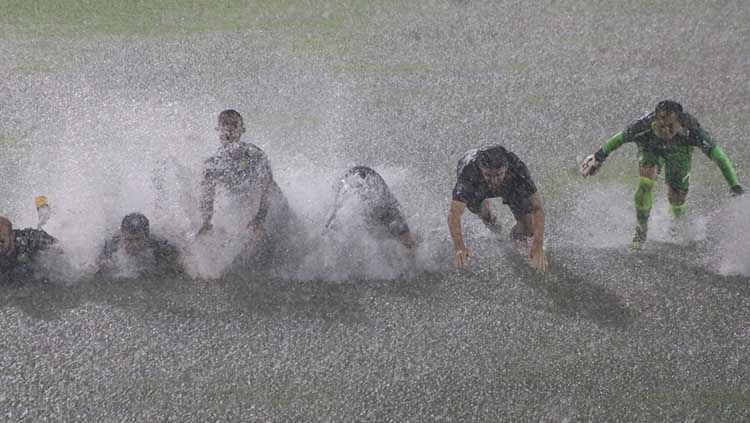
pixel 461 257
pixel 538 258
pixel 590 165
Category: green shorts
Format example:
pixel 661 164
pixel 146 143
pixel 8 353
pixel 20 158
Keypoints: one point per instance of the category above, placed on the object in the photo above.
pixel 676 165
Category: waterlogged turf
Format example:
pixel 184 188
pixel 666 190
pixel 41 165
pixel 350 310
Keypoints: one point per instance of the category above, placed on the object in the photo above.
pixel 80 19
pixel 498 342
pixel 98 95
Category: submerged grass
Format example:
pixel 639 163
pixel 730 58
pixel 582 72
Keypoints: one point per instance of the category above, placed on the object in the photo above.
pixel 727 396
pixel 6 140
pixel 321 28
pixel 81 19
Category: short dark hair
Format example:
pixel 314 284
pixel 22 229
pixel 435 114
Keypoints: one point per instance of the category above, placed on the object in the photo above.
pixel 492 159
pixel 230 115
pixel 135 224
pixel 5 221
pixel 669 106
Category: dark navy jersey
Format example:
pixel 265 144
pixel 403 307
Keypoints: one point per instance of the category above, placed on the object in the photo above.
pixel 380 207
pixel 241 168
pixel 29 243
pixel 471 188
pixel 157 255
pixel 642 133
pixel 238 166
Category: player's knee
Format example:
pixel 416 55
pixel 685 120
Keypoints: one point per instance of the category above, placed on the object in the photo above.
pixel 676 200
pixel 645 187
pixel 677 196
pixel 648 171
pixel 646 184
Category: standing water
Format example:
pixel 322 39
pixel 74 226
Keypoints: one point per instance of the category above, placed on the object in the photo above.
pixel 108 109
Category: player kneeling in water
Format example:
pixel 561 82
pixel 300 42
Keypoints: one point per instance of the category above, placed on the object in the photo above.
pixel 665 139
pixel 20 250
pixel 243 170
pixel 133 251
pixel 379 207
pixel 492 172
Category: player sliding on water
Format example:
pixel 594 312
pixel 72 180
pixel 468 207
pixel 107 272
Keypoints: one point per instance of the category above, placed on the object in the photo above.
pixel 665 139
pixel 242 169
pixel 492 172
pixel 20 250
pixel 362 186
pixel 134 249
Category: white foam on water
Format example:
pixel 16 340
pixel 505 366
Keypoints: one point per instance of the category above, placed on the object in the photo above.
pixel 603 217
pixel 733 243
pixel 96 170
pixel 99 164
pixel 351 251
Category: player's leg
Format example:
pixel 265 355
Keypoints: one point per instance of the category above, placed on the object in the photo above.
pixel 644 198
pixel 522 232
pixel 677 175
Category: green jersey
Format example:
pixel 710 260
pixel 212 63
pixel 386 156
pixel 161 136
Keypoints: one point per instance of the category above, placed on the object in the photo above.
pixel 676 154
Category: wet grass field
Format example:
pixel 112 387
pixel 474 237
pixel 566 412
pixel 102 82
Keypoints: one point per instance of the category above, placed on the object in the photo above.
pixel 497 343
pixel 95 93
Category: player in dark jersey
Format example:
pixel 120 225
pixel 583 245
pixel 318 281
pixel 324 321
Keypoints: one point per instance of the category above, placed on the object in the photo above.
pixel 379 207
pixel 133 250
pixel 243 170
pixel 20 249
pixel 492 172
pixel 665 139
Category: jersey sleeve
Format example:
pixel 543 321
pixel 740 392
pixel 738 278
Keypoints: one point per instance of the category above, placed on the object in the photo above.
pixel 700 138
pixel 36 240
pixel 462 192
pixel 727 170
pixel 612 144
pixel 524 186
pixel 466 184
pixel 638 128
pixel 45 240
pixel 265 181
pixel 208 190
pixel 631 132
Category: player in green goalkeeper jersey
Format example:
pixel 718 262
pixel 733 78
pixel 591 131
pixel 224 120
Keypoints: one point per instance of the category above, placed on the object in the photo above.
pixel 665 139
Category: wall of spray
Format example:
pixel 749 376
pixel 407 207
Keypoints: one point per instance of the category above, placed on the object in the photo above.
pixel 106 153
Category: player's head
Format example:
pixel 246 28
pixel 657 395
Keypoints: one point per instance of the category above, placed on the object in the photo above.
pixel 494 166
pixel 135 232
pixel 668 119
pixel 669 106
pixel 7 237
pixel 230 125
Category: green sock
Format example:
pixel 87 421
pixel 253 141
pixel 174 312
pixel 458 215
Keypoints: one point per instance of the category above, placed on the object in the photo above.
pixel 644 199
pixel 678 210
